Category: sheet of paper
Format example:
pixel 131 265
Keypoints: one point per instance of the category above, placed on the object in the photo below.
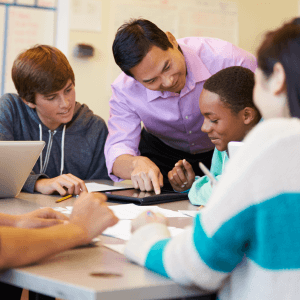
pixel 131 211
pixel 191 213
pixel 116 247
pixel 122 230
pixel 97 187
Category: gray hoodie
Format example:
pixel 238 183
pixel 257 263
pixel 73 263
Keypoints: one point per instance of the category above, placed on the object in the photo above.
pixel 76 147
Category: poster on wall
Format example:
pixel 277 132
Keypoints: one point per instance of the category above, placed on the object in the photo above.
pixel 22 25
pixel 85 15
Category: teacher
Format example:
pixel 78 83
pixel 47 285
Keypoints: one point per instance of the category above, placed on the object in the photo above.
pixel 155 118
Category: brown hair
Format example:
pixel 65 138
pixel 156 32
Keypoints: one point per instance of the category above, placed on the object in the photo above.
pixel 41 69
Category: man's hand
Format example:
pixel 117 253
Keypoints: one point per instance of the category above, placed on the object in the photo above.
pixel 146 176
pixel 146 218
pixel 44 217
pixel 181 176
pixel 63 184
pixel 91 213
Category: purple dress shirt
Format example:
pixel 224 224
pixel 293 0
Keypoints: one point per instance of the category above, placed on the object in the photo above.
pixel 174 118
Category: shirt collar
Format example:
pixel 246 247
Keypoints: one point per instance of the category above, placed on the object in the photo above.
pixel 196 72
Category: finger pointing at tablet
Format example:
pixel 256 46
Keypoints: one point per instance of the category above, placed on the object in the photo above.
pixel 146 176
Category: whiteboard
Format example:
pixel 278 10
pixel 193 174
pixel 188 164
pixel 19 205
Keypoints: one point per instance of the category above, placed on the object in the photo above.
pixel 23 25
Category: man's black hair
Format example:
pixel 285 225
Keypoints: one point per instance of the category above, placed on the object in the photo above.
pixel 134 39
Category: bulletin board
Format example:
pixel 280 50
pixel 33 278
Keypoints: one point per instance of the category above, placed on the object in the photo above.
pixel 23 24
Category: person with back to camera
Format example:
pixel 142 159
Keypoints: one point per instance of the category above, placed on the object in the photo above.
pixel 45 109
pixel 160 87
pixel 245 243
pixel 226 102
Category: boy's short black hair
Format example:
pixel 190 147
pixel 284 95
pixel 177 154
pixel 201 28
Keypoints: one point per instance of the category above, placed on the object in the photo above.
pixel 134 39
pixel 235 86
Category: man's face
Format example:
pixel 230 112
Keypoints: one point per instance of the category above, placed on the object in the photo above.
pixel 56 108
pixel 220 123
pixel 162 70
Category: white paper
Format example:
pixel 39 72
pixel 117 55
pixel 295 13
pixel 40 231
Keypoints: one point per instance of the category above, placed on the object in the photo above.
pixel 131 211
pixel 122 230
pixel 191 213
pixel 120 248
pixel 97 187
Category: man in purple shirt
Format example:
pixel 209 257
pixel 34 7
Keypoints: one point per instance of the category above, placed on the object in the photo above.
pixel 160 87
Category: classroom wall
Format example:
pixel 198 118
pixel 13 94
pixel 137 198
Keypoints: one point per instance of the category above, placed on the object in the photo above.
pixel 92 75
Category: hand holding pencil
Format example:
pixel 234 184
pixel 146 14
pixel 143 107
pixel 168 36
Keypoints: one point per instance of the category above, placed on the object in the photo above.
pixel 64 184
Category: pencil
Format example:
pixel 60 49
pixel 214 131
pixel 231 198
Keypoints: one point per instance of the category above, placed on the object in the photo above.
pixel 63 198
pixel 207 173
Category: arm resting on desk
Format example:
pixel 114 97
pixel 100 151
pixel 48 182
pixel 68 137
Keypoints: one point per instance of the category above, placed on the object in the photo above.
pixel 24 246
pixel 18 246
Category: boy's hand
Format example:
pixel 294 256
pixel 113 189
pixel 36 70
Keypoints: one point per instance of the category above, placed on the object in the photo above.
pixel 66 184
pixel 91 213
pixel 181 176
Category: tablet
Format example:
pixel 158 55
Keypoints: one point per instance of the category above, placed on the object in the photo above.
pixel 145 198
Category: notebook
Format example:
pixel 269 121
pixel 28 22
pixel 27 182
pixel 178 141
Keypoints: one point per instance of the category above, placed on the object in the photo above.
pixel 17 158
pixel 145 198
pixel 233 148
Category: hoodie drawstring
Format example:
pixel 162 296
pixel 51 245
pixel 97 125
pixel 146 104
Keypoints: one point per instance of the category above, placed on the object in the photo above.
pixel 50 140
pixel 62 150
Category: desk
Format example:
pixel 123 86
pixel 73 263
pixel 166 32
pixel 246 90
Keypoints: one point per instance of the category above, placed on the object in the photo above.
pixel 68 274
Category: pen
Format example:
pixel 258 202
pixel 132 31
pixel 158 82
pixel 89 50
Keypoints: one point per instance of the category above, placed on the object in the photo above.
pixel 207 173
pixel 63 198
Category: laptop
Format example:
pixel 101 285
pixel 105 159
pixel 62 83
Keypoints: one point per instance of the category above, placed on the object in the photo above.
pixel 233 147
pixel 17 159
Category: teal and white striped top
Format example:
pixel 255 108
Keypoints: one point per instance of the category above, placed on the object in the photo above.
pixel 245 243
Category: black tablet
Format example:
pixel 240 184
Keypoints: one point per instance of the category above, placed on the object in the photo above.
pixel 144 198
